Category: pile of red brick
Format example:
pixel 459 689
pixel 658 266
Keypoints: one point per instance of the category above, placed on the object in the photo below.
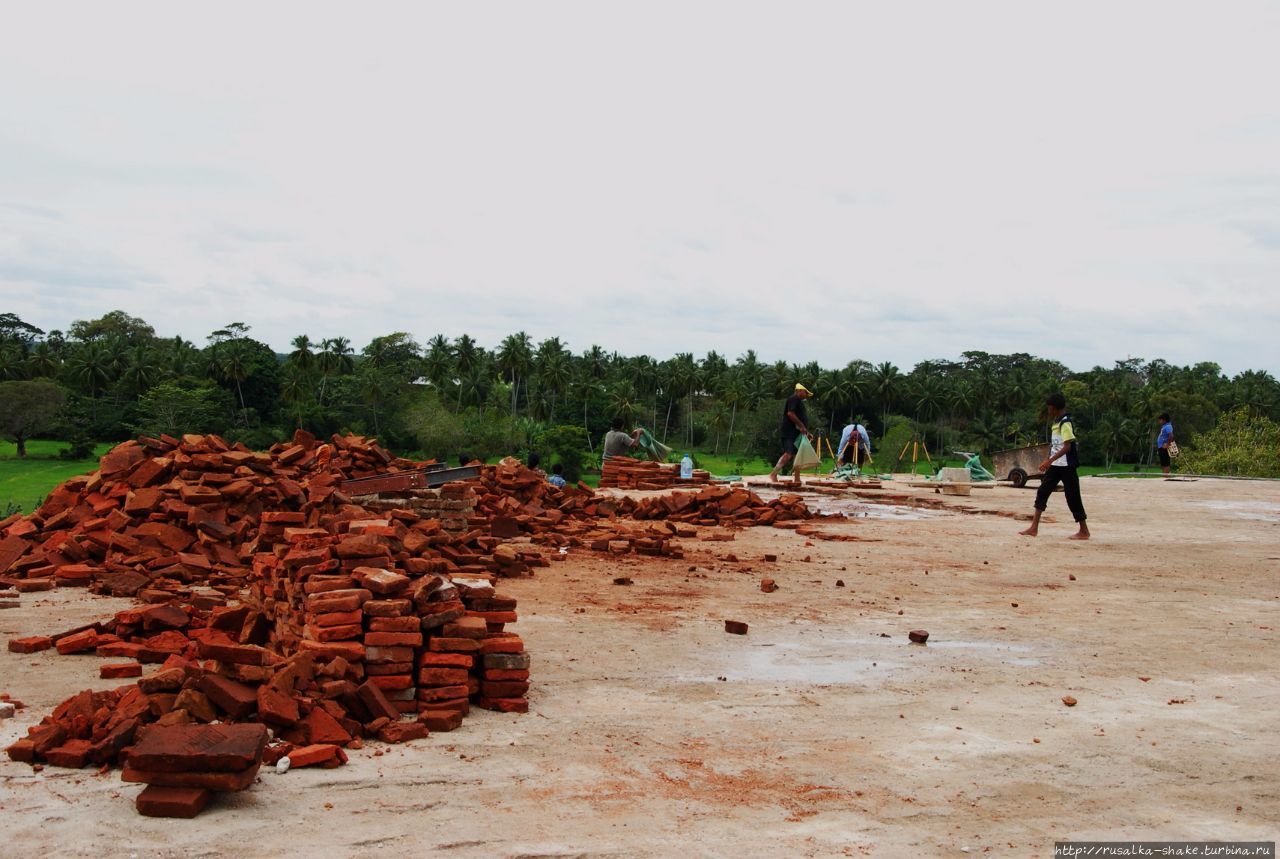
pixel 623 472
pixel 270 597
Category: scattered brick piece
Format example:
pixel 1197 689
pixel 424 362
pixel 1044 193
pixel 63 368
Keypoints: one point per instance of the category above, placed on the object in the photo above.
pixel 30 644
pixel 918 636
pixel 115 671
pixel 736 627
pixel 183 802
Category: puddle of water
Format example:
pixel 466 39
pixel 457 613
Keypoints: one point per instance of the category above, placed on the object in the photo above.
pixel 846 661
pixel 859 509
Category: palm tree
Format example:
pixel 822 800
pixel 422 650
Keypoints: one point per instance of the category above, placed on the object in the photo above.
pixel 293 391
pixel 43 362
pixel 732 394
pixel 718 419
pixel 302 357
pixel 142 369
pixel 437 364
pixel 553 370
pixel 335 359
pixel 13 363
pixel 515 356
pixel 885 383
pixel 89 366
pixel 623 402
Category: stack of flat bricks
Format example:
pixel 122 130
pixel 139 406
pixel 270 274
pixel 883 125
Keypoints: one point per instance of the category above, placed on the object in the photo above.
pixel 184 765
pixel 453 505
pixel 414 634
pixel 621 472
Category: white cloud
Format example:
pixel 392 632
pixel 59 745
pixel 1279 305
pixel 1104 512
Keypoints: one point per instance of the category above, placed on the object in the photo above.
pixel 815 181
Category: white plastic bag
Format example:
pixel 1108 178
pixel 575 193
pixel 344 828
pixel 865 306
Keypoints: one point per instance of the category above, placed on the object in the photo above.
pixel 806 456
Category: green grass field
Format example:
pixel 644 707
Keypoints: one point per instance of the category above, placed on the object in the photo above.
pixel 24 482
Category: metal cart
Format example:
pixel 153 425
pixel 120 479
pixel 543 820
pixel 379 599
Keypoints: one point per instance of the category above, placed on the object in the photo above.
pixel 1020 464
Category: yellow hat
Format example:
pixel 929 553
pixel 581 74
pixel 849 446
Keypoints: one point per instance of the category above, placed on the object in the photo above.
pixel 800 387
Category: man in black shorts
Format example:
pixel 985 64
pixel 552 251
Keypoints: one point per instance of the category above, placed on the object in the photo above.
pixel 1163 441
pixel 795 420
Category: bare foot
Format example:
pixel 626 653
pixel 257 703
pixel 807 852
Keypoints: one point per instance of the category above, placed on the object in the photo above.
pixel 1079 535
pixel 773 476
pixel 1030 532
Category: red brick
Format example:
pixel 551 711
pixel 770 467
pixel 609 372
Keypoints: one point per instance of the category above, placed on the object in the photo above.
pixel 441 693
pixel 466 627
pixel 235 699
pixel 30 644
pixel 428 659
pixel 72 754
pixel 442 676
pixel 400 732
pixel 505 674
pixel 504 705
pixel 394 624
pixel 80 642
pixel 334 633
pixel 182 802
pixel 388 608
pixel 118 670
pixel 22 751
pixel 277 708
pixel 200 748
pixel 509 643
pixel 225 650
pixel 503 689
pixel 316 753
pixel 454 645
pixel 389 654
pixel 391 639
pixel 371 695
pixel 337 618
pixel 441 720
pixel 323 728
pixel 392 682
pixel 352 651
pixel 221 781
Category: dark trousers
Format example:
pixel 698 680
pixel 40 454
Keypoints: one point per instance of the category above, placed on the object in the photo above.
pixel 1070 480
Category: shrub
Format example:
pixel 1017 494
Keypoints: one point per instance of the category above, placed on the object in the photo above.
pixel 566 445
pixel 1241 445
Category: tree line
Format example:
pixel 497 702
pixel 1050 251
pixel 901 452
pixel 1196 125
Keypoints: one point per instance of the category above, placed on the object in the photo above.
pixel 114 377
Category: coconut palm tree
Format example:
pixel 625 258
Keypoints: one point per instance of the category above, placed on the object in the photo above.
pixel 886 384
pixel 515 356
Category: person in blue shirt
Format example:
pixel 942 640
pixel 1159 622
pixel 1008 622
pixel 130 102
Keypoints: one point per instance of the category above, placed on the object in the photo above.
pixel 1060 467
pixel 854 451
pixel 557 476
pixel 1164 440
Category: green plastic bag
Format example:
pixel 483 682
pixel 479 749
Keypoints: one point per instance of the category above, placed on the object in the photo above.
pixel 806 456
pixel 650 445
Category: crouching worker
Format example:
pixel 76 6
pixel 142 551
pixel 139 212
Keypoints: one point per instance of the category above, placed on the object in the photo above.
pixel 1061 467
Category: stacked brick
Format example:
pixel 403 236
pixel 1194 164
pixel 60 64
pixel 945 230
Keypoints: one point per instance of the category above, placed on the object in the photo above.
pixel 183 766
pixel 622 472
pixel 452 505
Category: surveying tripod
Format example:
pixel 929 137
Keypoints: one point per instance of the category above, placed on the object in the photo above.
pixel 917 445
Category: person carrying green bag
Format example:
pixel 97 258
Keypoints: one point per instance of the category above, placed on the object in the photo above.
pixel 795 424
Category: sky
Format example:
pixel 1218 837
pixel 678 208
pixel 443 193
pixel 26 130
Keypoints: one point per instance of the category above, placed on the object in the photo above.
pixel 883 181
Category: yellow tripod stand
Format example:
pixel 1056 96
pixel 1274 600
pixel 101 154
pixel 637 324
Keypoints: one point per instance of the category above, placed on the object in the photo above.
pixel 917 445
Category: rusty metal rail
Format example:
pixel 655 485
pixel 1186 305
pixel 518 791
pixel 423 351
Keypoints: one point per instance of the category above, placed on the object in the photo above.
pixel 404 481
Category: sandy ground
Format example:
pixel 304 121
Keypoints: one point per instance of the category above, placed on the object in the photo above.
pixel 822 731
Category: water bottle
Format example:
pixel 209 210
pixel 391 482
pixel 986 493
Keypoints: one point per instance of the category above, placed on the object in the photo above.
pixel 686 467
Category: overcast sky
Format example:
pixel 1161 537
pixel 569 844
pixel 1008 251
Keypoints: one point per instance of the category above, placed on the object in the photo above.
pixel 888 181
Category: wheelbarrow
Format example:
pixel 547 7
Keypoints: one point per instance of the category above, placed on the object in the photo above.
pixel 1020 464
